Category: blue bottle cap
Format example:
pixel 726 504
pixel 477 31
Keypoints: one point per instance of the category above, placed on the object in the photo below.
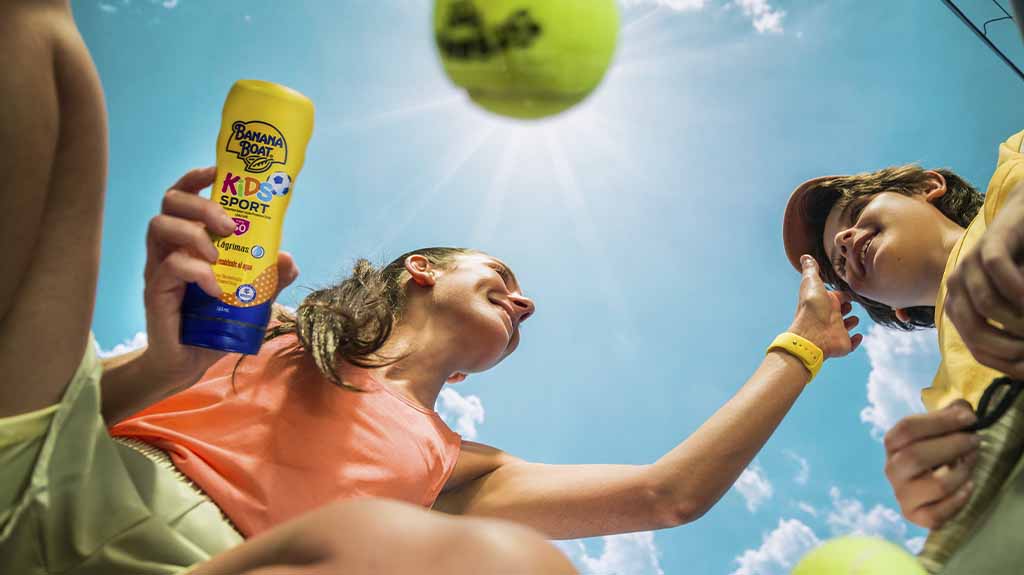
pixel 208 322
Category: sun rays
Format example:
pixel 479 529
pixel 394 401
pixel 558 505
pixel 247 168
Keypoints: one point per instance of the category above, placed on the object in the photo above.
pixel 536 164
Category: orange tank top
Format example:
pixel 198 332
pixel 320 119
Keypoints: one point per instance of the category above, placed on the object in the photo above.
pixel 282 439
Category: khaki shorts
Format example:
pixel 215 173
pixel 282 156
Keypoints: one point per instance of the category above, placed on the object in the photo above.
pixel 73 500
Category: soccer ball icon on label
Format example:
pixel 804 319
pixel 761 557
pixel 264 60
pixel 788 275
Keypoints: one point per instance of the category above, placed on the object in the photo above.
pixel 280 182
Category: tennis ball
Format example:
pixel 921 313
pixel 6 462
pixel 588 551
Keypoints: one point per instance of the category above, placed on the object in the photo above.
pixel 856 555
pixel 526 59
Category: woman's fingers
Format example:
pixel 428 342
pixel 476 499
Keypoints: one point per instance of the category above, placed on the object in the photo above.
pixel 198 209
pixel 168 233
pixel 856 341
pixel 180 268
pixel 287 271
pixel 196 180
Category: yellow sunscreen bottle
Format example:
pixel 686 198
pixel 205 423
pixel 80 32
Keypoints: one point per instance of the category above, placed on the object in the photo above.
pixel 260 151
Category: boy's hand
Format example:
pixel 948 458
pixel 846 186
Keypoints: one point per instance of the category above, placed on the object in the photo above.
pixel 928 461
pixel 820 314
pixel 178 251
pixel 989 283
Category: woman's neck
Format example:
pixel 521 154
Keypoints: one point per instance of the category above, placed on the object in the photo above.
pixel 420 368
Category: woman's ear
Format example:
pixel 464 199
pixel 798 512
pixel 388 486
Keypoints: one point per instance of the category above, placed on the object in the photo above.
pixel 902 315
pixel 456 377
pixel 420 269
pixel 936 186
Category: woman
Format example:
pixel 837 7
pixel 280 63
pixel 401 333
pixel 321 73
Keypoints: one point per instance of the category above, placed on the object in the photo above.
pixel 340 400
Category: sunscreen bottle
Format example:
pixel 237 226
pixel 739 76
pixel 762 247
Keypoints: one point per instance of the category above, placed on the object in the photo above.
pixel 260 151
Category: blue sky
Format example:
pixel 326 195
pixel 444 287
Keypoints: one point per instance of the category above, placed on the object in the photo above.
pixel 645 223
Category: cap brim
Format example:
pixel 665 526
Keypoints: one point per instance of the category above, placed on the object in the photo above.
pixel 798 235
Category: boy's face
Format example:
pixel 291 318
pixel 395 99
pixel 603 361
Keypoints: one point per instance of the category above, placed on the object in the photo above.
pixel 889 247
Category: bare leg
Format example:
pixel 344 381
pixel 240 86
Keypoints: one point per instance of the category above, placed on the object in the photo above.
pixel 53 154
pixel 375 537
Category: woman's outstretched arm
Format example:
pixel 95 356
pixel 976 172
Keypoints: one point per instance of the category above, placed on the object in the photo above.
pixel 571 501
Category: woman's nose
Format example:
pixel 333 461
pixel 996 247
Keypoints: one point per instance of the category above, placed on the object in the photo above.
pixel 524 306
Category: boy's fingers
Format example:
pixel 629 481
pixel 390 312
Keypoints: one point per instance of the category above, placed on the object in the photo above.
pixel 1005 276
pixel 935 486
pixel 198 209
pixel 983 296
pixel 194 181
pixel 935 515
pixel 987 343
pixel 912 428
pixel 927 454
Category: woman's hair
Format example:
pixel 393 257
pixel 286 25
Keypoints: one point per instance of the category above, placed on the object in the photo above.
pixel 960 203
pixel 352 319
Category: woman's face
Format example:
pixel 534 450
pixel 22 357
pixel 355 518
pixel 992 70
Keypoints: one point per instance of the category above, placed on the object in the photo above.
pixel 482 305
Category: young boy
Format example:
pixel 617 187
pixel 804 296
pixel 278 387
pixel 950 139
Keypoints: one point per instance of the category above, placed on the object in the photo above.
pixel 899 241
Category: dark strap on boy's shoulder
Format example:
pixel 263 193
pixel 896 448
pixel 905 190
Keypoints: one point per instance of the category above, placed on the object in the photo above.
pixel 986 416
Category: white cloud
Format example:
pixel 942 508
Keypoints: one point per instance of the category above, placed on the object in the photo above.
pixel 462 413
pixel 803 474
pixel 137 341
pixel 627 554
pixel 754 487
pixel 901 364
pixel 807 508
pixel 848 517
pixel 677 5
pixel 792 539
pixel 915 545
pixel 764 18
pixel 779 551
pixel 110 7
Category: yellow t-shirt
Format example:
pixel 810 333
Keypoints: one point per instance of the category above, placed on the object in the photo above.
pixel 960 375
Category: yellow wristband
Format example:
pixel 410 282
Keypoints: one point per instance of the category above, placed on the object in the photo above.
pixel 801 348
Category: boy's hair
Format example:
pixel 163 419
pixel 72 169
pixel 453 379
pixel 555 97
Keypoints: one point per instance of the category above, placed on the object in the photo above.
pixel 960 203
pixel 351 320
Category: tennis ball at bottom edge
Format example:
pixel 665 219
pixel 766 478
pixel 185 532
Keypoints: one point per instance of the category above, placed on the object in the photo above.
pixel 526 59
pixel 856 555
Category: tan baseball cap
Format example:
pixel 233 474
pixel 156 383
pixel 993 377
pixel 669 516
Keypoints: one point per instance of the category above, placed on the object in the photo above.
pixel 798 235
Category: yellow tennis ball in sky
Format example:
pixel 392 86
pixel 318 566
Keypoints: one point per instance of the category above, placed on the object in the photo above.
pixel 856 555
pixel 526 58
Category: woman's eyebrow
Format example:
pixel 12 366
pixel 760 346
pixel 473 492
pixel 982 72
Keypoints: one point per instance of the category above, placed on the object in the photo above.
pixel 507 273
